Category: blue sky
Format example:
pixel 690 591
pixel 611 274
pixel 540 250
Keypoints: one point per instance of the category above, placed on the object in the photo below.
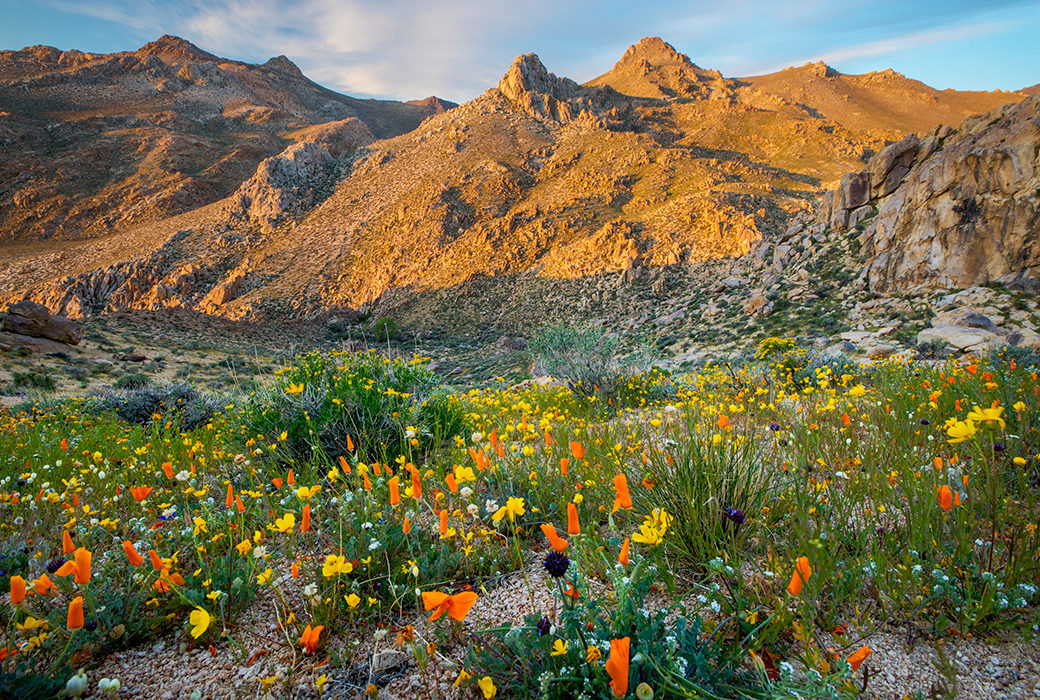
pixel 408 49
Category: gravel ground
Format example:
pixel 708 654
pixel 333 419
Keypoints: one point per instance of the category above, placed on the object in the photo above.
pixel 1007 666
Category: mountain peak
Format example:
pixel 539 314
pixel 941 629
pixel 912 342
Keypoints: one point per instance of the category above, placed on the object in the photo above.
pixel 655 51
pixel 528 75
pixel 173 49
pixel 283 65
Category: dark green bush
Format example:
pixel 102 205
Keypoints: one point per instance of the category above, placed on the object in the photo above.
pixel 137 380
pixel 174 400
pixel 385 329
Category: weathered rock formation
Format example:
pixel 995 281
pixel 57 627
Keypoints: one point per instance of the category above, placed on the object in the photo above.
pixel 957 208
pixel 32 325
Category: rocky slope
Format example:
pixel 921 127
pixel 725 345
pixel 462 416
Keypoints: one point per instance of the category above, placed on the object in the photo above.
pixel 96 144
pixel 538 199
pixel 953 207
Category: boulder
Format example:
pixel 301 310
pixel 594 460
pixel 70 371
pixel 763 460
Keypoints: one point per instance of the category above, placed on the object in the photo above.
pixel 891 164
pixel 758 305
pixel 13 341
pixel 959 337
pixel 35 320
pixel 1023 338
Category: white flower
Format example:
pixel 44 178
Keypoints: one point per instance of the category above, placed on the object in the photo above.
pixel 473 509
pixel 260 552
pixel 476 437
pixel 182 475
pixel 374 545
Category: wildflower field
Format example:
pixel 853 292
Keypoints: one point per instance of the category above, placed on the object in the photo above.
pixel 734 532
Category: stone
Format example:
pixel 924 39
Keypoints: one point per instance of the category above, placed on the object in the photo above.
pixel 507 343
pixel 856 337
pixel 842 347
pixel 855 190
pixel 35 320
pixel 1023 338
pixel 758 305
pixel 891 164
pixel 131 357
pixel 13 341
pixel 959 337
pixel 669 319
pixel 968 319
pixel 880 351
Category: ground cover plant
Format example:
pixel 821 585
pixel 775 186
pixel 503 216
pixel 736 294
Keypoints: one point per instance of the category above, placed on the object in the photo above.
pixel 735 532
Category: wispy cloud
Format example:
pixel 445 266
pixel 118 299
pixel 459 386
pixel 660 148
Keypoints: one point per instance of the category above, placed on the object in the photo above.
pixel 457 48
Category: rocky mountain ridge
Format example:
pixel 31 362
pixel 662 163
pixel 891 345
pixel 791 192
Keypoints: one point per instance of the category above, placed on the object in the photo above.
pixel 95 144
pixel 504 210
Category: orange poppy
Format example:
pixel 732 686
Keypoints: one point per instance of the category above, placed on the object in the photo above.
pixel 622 499
pixel 801 574
pixel 141 492
pixel 131 553
pixel 395 490
pixel 66 569
pixel 564 463
pixel 67 547
pixel 617 666
pixel 305 522
pixel 43 585
pixel 167 468
pixel 350 444
pixel 577 449
pixel 444 522
pixel 229 500
pixel 945 498
pixel 502 446
pixel 17 590
pixel 157 562
pixel 295 570
pixel 367 482
pixel 416 485
pixel 859 657
pixel 277 481
pixel 573 527
pixel 453 485
pixel 75 619
pixel 309 640
pixel 845 419
pixel 83 558
pixel 291 478
pixel 557 542
pixel 623 557
pixel 238 504
pixel 343 464
pixel 457 606
pixel 723 421
pixel 406 527
pixel 64 444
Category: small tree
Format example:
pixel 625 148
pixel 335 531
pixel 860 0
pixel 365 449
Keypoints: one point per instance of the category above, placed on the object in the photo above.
pixel 587 358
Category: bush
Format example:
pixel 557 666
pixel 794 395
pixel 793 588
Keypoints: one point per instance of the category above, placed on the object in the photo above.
pixel 385 329
pixel 34 380
pixel 179 400
pixel 587 359
pixel 329 402
pixel 137 380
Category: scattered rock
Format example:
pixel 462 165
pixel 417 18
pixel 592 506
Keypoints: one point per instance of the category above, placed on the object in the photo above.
pixel 32 319
pixel 959 337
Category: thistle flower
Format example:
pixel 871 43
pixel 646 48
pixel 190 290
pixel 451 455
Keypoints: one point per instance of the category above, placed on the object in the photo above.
pixel 557 563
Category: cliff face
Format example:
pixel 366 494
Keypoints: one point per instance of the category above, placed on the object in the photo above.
pixel 955 208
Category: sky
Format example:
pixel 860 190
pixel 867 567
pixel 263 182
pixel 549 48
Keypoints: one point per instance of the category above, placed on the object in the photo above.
pixel 456 49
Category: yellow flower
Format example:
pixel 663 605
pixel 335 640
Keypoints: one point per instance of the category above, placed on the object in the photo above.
pixel 1019 407
pixel 353 600
pixel 244 547
pixel 512 508
pixel 961 431
pixel 264 577
pixel 592 655
pixel 200 526
pixel 987 415
pixel 487 686
pixel 294 388
pixel 199 620
pixel 305 494
pixel 464 474
pixel 559 648
pixel 464 676
pixel 32 623
pixel 320 681
pixel 1020 461
pixel 336 565
pixel 284 524
pixel 857 390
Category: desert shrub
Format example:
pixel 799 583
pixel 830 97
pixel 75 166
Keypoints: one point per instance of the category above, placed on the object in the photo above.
pixel 330 402
pixel 384 329
pixel 137 380
pixel 177 400
pixel 588 358
pixel 774 347
pixel 34 380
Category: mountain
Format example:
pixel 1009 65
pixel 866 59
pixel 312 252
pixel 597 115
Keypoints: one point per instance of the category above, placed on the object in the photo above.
pixel 95 144
pixel 538 199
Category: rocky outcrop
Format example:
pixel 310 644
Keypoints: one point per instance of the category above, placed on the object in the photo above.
pixel 282 184
pixel 35 320
pixel 539 93
pixel 957 208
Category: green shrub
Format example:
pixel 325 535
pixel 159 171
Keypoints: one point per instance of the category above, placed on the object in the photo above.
pixel 137 380
pixel 382 405
pixel 587 358
pixel 385 329
pixel 34 380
